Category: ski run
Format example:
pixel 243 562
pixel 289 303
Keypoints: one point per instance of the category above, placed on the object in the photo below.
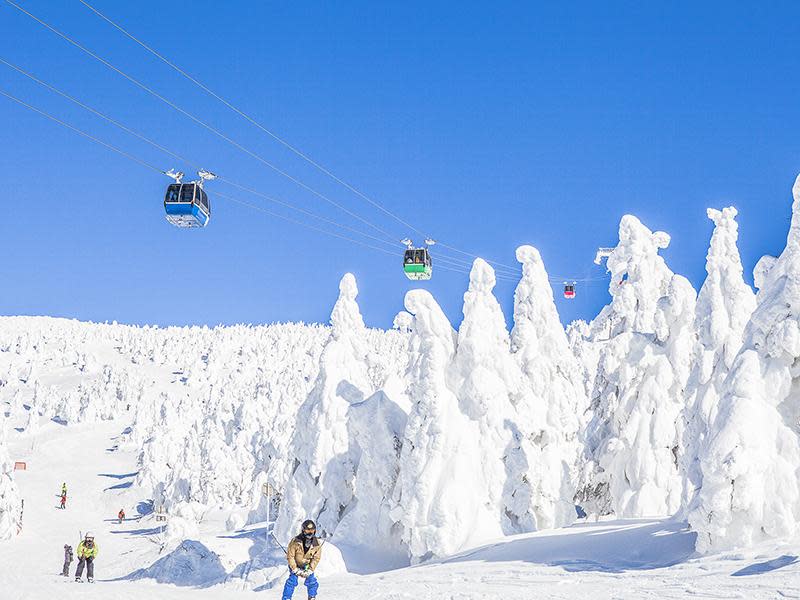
pixel 437 463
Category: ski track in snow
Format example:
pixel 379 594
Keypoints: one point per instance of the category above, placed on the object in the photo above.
pixel 604 560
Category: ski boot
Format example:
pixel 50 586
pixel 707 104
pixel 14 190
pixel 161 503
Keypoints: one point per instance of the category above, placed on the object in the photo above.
pixel 90 580
pixel 78 580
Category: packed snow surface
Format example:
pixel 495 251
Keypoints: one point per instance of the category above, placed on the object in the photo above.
pixel 635 558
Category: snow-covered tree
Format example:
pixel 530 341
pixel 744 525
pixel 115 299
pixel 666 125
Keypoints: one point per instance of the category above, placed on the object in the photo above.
pixel 376 428
pixel 549 405
pixel 484 378
pixel 632 440
pixel 750 465
pixel 320 484
pixel 724 306
pixel 10 501
pixel 439 502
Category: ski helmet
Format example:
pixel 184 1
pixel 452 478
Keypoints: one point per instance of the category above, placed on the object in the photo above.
pixel 309 526
pixel 89 536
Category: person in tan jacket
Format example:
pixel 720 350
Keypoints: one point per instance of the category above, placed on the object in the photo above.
pixel 303 556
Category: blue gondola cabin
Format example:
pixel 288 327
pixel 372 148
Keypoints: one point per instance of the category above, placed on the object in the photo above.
pixel 186 205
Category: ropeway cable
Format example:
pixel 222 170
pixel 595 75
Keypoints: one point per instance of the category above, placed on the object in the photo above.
pixel 251 120
pixel 280 139
pixel 468 265
pixel 499 266
pixel 217 132
pixel 83 133
pixel 183 159
pixel 152 167
pixel 199 121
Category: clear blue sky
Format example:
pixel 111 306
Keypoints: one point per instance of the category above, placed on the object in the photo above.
pixel 487 126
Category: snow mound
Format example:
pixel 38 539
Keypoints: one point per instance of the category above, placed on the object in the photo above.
pixel 191 564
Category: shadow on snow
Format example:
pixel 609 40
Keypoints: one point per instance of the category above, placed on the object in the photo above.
pixel 609 546
pixel 766 567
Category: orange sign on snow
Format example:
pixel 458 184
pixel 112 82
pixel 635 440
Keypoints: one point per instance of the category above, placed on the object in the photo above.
pixel 20 466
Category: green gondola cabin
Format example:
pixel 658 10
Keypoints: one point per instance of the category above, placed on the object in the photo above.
pixel 417 264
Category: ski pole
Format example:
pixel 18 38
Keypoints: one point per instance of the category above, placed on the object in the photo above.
pixel 277 542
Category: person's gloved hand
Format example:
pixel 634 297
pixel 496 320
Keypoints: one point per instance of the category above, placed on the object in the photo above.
pixel 298 572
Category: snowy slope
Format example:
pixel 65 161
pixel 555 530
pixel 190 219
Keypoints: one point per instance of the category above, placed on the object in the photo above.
pixel 610 559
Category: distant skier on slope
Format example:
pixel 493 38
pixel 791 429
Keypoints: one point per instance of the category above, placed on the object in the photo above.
pixel 63 489
pixel 121 515
pixel 67 560
pixel 303 556
pixel 87 552
pixel 63 501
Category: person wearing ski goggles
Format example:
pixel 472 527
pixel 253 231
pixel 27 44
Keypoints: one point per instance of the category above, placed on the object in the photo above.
pixel 303 555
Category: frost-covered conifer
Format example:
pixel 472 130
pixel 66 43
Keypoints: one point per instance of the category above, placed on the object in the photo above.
pixel 439 501
pixel 376 428
pixel 549 405
pixel 632 440
pixel 724 306
pixel 320 481
pixel 10 501
pixel 484 378
pixel 750 465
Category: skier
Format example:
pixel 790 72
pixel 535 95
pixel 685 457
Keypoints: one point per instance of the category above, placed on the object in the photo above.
pixel 121 515
pixel 63 500
pixel 67 560
pixel 303 557
pixel 63 489
pixel 87 552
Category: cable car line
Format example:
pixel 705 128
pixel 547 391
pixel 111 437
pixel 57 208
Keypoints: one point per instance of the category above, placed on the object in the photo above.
pixel 157 170
pixel 448 266
pixel 183 159
pixel 199 121
pixel 281 140
pixel 95 112
pixel 83 133
pixel 219 133
pixel 389 238
pixel 302 224
pixel 454 267
pixel 251 120
pixel 468 265
pixel 154 168
pixel 498 275
pixel 474 256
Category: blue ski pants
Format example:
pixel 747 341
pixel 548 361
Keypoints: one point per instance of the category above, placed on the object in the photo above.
pixel 311 583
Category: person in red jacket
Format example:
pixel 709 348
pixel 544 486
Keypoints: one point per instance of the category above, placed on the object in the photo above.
pixel 64 500
pixel 121 515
